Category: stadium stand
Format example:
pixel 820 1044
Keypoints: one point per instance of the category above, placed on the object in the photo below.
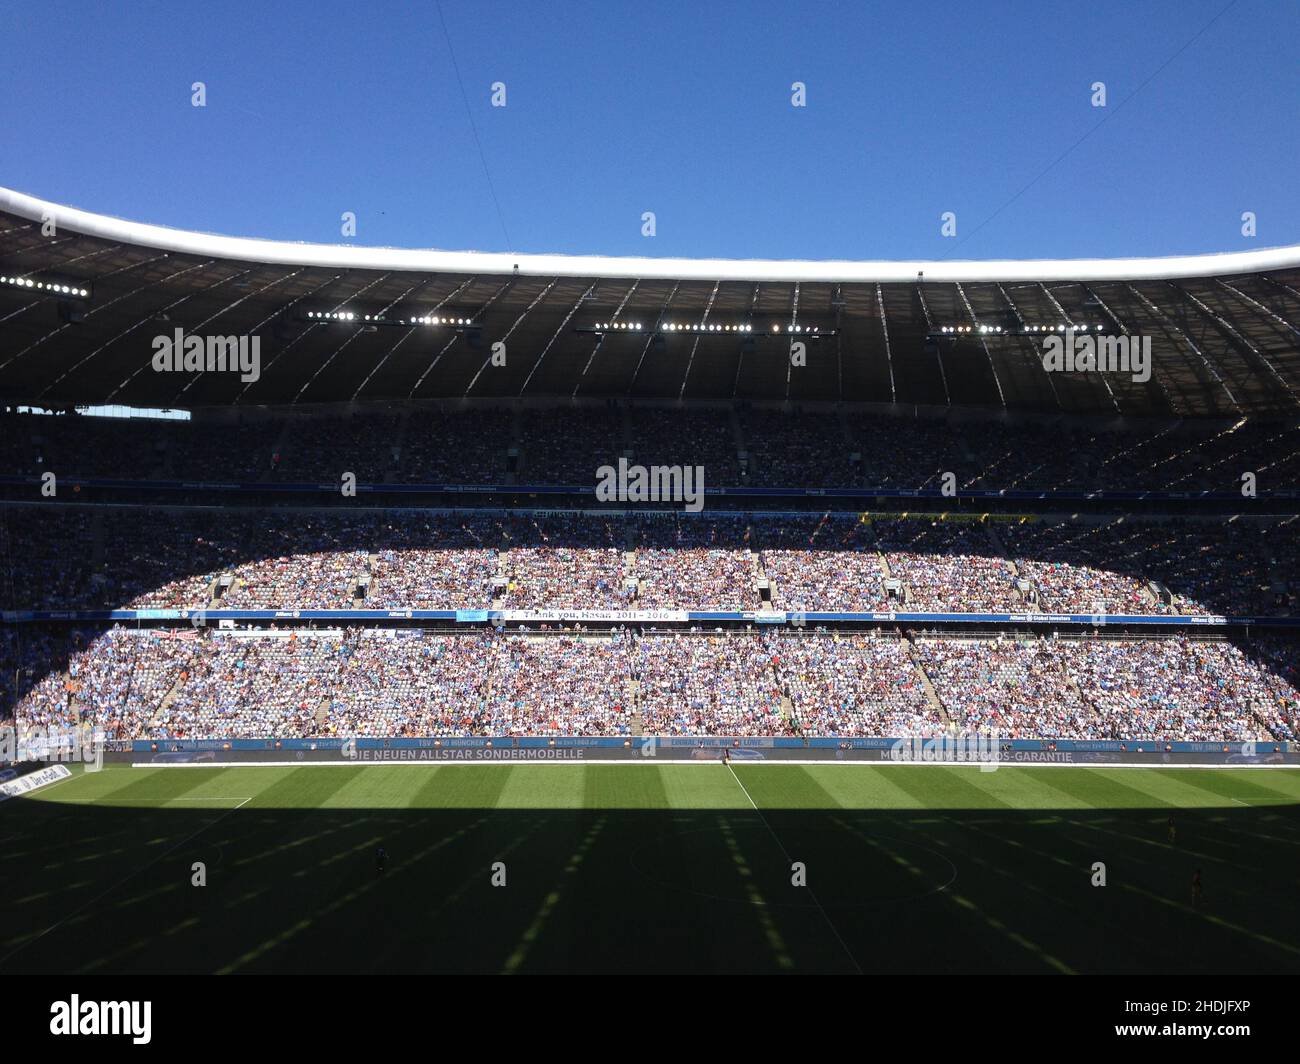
pixel 135 557
pixel 909 469
pixel 782 449
pixel 142 683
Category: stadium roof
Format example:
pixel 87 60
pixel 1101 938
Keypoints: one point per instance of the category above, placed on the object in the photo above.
pixel 1224 328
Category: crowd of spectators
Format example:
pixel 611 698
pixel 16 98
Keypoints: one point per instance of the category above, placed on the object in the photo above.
pixel 116 680
pixel 199 683
pixel 695 684
pixel 854 685
pixel 1176 689
pixel 1279 680
pixel 1238 567
pixel 551 452
pixel 433 561
pixel 696 564
pixel 948 566
pixel 427 443
pixel 810 450
pixel 913 453
pixel 566 562
pixel 242 687
pixel 196 683
pixel 1087 568
pixel 687 437
pixel 401 683
pixel 305 563
pixel 324 448
pixel 470 447
pixel 562 685
pixel 84 557
pixel 827 563
pixel 1012 688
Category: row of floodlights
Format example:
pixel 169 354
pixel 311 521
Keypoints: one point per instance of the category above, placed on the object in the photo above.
pixel 348 315
pixel 699 327
pixel 45 286
pixel 671 326
pixel 998 329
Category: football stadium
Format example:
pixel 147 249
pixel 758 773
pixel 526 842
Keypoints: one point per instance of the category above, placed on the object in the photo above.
pixel 618 613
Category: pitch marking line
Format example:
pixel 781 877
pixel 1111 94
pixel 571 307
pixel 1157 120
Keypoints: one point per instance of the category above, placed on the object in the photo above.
pixel 665 761
pixel 776 838
pixel 129 876
pixel 157 801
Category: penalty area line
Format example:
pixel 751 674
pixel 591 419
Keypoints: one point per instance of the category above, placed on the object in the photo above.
pixel 129 876
pixel 780 846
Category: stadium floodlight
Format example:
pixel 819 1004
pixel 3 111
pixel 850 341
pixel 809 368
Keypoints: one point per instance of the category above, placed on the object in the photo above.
pixel 58 288
pixel 374 318
pixel 704 328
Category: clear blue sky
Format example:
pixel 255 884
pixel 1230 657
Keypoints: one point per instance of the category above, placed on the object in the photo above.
pixel 679 107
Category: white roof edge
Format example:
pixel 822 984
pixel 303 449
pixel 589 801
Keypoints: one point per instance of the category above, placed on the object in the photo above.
pixel 344 256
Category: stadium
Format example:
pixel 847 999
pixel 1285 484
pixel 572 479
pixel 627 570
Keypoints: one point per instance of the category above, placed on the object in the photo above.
pixel 760 612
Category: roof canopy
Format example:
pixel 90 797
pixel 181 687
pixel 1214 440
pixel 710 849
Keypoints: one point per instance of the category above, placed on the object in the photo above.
pixel 1223 328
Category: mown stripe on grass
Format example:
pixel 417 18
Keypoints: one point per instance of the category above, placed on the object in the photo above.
pixel 305 788
pixel 767 925
pixel 1236 787
pixel 459 787
pixel 700 787
pixel 1086 789
pixel 515 961
pixel 399 866
pixel 1022 787
pixel 952 788
pixel 1173 788
pixel 867 787
pixel 954 895
pixel 551 787
pixel 615 787
pixel 792 788
pixel 150 784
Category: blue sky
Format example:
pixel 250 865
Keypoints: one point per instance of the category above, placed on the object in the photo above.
pixel 680 108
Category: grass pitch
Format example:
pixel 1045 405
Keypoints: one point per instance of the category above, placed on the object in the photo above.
pixel 652 867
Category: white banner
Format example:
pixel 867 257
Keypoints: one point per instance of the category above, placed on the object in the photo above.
pixel 615 616
pixel 28 783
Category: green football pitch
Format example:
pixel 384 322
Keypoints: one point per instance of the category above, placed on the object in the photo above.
pixel 653 867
